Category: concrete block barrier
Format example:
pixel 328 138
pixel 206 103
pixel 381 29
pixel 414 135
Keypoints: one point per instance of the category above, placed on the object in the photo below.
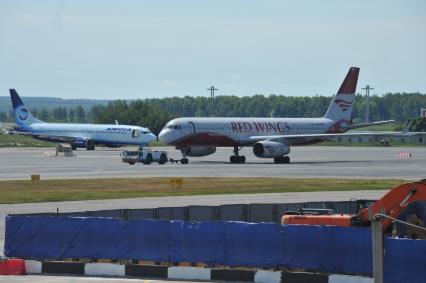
pixel 189 273
pixel 232 275
pixel 149 271
pixel 268 276
pixel 60 267
pixel 104 269
pixel 186 273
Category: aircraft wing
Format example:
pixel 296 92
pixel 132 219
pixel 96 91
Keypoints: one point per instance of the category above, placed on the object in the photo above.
pixel 287 139
pixel 362 125
pixel 44 136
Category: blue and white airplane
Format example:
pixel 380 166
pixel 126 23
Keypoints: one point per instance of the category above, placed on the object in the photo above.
pixel 77 135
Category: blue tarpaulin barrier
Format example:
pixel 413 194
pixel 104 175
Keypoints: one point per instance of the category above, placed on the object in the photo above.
pixel 345 250
pixel 328 248
pixel 404 260
pixel 79 237
pixel 254 244
pixel 197 242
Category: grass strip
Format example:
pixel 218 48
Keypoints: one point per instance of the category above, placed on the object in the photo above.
pixel 84 189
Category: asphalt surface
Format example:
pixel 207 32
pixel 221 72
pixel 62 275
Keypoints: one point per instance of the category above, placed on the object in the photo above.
pixel 308 161
pixel 312 161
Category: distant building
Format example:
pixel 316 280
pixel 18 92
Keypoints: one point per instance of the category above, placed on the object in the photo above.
pixel 402 138
pixel 423 112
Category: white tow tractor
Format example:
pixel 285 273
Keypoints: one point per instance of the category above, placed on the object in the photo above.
pixel 144 155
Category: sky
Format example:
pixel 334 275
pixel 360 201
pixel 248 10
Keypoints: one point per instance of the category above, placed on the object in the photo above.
pixel 152 49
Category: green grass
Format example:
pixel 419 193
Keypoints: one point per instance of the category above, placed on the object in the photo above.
pixel 66 190
pixel 22 141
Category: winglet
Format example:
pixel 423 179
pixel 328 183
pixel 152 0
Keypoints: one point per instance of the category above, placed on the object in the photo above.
pixel 16 100
pixel 409 126
pixel 349 84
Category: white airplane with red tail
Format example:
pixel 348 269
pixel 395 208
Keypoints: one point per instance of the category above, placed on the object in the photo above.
pixel 270 137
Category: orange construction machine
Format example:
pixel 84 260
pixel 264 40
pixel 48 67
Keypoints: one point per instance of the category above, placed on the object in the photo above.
pixel 391 204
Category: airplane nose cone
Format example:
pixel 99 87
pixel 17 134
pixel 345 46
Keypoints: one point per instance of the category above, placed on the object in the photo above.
pixel 152 137
pixel 161 136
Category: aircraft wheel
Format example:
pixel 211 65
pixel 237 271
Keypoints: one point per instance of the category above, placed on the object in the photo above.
pixel 163 159
pixel 90 145
pixel 148 159
pixel 237 159
pixel 282 160
pixel 184 160
pixel 286 159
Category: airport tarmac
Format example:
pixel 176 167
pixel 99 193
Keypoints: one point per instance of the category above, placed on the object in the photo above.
pixel 313 161
pixel 306 161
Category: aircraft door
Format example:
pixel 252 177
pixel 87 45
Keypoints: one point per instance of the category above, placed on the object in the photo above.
pixel 135 133
pixel 192 127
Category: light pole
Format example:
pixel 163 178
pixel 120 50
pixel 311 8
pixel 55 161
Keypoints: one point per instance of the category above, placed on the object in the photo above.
pixel 212 89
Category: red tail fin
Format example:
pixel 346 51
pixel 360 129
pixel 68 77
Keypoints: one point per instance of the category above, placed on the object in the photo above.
pixel 349 84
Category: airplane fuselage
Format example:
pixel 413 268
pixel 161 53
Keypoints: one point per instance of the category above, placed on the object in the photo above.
pixel 239 131
pixel 105 134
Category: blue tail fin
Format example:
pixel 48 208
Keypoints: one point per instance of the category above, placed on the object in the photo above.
pixel 23 116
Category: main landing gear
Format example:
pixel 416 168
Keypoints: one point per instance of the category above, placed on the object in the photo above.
pixel 282 160
pixel 236 158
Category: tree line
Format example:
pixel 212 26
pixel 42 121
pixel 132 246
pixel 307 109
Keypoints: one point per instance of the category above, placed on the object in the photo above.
pixel 155 112
pixel 59 114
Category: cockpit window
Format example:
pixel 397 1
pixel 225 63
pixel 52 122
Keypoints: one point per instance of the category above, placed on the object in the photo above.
pixel 175 127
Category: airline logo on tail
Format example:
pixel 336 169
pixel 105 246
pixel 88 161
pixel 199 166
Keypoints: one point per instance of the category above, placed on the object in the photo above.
pixel 343 104
pixel 23 114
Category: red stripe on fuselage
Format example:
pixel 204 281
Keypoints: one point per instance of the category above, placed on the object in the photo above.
pixel 208 139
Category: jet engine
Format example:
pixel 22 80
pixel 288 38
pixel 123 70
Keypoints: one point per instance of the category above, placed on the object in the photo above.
pixel 197 151
pixel 269 149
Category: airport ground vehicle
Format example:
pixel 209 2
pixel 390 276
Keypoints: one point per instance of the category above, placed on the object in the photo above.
pixel 392 204
pixel 144 155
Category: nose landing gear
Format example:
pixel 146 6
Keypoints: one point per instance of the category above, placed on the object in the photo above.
pixel 236 158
